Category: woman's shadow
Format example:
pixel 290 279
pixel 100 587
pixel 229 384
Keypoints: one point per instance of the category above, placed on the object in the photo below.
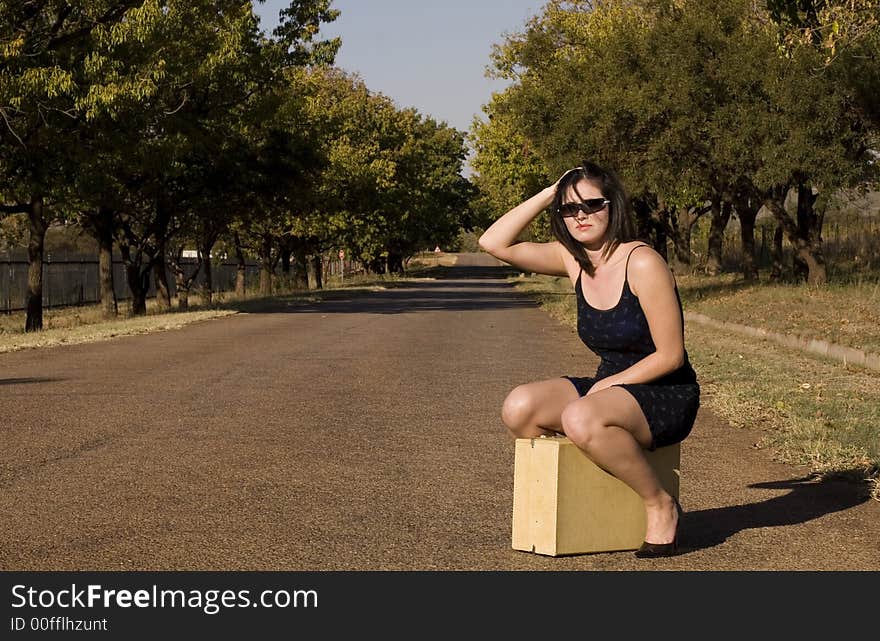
pixel 808 498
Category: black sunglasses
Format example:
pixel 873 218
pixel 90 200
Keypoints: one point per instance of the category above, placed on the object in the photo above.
pixel 589 206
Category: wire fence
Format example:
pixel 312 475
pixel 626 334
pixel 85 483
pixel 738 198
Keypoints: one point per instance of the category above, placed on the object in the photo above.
pixel 72 279
pixel 843 241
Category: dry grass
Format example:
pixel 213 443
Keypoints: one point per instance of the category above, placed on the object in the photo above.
pixel 99 331
pixel 847 314
pixel 812 411
pixel 72 325
pixel 86 324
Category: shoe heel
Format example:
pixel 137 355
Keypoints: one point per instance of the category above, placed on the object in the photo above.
pixel 657 550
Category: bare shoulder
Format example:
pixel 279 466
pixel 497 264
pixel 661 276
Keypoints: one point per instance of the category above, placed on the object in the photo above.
pixel 648 270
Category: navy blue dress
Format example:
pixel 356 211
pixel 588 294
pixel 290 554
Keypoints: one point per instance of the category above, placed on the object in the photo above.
pixel 620 337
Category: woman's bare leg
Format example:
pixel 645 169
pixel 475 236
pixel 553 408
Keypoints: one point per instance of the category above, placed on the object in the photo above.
pixel 535 409
pixel 610 427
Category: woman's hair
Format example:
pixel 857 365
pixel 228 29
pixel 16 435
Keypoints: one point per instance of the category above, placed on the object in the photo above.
pixel 621 228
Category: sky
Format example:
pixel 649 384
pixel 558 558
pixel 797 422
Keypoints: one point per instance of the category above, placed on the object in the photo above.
pixel 423 54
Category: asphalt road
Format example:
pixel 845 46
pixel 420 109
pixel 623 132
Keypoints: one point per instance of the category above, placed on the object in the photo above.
pixel 358 433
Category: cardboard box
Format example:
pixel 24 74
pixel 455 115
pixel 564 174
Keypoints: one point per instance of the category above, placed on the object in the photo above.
pixel 563 503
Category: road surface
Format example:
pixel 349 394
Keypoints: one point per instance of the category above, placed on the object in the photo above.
pixel 358 433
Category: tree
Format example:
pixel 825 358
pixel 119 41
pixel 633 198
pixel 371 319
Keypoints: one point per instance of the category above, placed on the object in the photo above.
pixel 695 106
pixel 507 169
pixel 43 47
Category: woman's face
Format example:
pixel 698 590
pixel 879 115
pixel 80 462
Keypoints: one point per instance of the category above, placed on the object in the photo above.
pixel 587 229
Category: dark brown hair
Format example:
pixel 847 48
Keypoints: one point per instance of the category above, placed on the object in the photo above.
pixel 621 228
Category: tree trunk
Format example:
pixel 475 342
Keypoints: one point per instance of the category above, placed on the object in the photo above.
pixel 661 237
pixel 778 267
pixel 266 266
pixel 241 269
pixel 182 282
pixel 720 217
pixel 182 287
pixel 809 226
pixel 300 269
pixel 160 277
pixel 103 226
pixel 652 224
pixel 317 271
pixel 806 240
pixel 395 263
pixel 747 210
pixel 138 283
pixel 138 280
pixel 682 226
pixel 36 244
pixel 157 257
pixel 206 246
pixel 681 238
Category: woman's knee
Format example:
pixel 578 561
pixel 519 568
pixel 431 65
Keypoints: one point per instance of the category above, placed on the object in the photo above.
pixel 518 410
pixel 532 409
pixel 582 425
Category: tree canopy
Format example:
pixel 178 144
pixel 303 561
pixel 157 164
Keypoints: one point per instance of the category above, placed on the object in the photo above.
pixel 692 104
pixel 156 124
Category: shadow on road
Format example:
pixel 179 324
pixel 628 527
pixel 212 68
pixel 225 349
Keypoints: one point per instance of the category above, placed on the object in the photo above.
pixel 465 272
pixel 400 301
pixel 451 289
pixel 24 381
pixel 808 499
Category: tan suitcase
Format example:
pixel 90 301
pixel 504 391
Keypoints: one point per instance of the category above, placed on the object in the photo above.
pixel 563 503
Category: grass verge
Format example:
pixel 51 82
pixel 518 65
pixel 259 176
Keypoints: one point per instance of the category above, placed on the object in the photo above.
pixel 846 313
pixel 810 410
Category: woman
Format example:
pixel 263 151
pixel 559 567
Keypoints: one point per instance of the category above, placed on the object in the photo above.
pixel 645 393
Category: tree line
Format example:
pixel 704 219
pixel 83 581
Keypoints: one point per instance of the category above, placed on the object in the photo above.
pixel 160 125
pixel 704 109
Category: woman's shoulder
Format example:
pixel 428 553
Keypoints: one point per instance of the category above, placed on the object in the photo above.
pixel 646 252
pixel 647 267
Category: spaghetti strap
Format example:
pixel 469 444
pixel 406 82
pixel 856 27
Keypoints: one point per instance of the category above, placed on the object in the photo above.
pixel 626 267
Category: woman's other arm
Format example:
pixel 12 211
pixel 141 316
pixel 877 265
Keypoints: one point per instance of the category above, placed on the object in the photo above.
pixel 652 282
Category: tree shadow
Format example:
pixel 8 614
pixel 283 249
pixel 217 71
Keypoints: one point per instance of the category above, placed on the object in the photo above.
pixel 450 289
pixel 24 381
pixel 809 498
pixel 466 272
pixel 708 290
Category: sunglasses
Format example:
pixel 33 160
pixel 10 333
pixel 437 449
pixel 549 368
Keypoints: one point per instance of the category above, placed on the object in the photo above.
pixel 589 206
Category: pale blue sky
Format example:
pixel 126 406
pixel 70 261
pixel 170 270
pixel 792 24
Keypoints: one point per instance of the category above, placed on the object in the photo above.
pixel 427 55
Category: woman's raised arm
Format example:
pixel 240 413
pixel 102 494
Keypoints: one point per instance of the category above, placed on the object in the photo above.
pixel 500 238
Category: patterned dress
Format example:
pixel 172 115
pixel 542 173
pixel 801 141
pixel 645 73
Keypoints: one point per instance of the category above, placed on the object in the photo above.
pixel 620 337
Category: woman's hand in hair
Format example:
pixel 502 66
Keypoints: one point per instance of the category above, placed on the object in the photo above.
pixel 564 174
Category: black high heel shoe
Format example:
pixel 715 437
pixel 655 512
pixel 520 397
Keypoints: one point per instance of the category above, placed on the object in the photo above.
pixel 656 550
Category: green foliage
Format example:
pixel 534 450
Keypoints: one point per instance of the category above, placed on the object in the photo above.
pixel 185 120
pixel 829 25
pixel 687 101
pixel 392 185
pixel 300 23
pixel 507 169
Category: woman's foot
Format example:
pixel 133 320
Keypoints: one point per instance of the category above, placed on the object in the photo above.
pixel 661 533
